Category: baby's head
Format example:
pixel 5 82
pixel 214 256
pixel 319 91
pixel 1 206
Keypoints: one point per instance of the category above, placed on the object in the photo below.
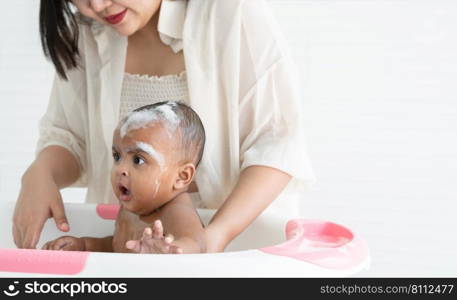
pixel 156 149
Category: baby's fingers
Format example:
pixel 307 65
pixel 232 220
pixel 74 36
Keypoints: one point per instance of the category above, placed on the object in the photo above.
pixel 54 245
pixel 169 239
pixel 135 246
pixel 175 250
pixel 60 244
pixel 157 230
pixel 153 245
pixel 147 234
pixel 46 246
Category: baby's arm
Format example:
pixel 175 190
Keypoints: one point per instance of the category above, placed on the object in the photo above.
pixel 99 244
pixel 85 243
pixel 71 243
pixel 184 231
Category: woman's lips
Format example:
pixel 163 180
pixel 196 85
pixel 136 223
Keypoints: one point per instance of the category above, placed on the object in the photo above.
pixel 117 18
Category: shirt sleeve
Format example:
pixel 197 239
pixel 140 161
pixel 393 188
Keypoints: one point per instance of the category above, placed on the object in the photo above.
pixel 63 123
pixel 271 115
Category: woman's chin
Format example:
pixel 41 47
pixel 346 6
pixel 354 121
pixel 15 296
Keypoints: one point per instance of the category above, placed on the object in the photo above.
pixel 125 29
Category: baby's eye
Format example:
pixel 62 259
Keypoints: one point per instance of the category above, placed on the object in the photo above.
pixel 116 156
pixel 138 160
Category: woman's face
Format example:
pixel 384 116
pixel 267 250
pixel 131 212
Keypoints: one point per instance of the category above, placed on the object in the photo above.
pixel 125 16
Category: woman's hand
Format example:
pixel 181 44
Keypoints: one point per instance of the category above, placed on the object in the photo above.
pixel 153 241
pixel 39 199
pixel 66 243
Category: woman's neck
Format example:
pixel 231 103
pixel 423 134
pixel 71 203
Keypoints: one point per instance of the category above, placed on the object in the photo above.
pixel 149 33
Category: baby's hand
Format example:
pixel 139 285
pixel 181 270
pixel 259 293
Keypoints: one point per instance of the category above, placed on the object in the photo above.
pixel 153 241
pixel 66 243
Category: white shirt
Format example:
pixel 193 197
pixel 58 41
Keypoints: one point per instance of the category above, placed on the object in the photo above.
pixel 241 81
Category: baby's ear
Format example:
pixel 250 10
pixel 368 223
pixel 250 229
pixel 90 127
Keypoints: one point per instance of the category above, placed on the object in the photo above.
pixel 185 175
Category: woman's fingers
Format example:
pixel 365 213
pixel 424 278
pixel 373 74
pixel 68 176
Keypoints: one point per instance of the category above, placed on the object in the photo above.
pixel 27 228
pixel 58 213
pixel 38 200
pixel 31 235
pixel 17 236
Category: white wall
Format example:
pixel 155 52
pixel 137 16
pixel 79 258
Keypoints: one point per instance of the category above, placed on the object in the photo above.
pixel 379 85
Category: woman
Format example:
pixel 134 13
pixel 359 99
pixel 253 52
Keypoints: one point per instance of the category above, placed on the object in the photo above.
pixel 237 75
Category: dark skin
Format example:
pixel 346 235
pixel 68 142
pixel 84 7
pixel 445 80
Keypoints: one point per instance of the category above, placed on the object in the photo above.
pixel 178 217
pixel 175 216
pixel 164 221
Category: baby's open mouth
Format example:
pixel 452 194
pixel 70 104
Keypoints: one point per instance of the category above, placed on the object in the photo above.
pixel 124 191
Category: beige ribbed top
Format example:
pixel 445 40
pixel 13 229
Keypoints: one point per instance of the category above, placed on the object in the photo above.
pixel 140 90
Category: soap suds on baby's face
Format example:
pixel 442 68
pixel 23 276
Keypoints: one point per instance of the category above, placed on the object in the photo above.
pixel 157 182
pixel 149 149
pixel 142 119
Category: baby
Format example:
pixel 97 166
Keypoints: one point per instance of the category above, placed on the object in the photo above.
pixel 156 150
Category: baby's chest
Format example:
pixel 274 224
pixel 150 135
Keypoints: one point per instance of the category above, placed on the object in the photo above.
pixel 127 228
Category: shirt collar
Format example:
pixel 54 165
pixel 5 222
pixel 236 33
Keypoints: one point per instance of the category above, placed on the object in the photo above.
pixel 171 23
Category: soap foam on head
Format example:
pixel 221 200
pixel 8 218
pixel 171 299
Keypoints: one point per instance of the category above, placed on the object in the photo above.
pixel 168 113
pixel 144 118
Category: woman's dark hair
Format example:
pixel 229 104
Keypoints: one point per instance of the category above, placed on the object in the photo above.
pixel 59 34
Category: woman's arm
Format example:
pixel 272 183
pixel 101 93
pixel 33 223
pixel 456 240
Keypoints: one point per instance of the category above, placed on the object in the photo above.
pixel 57 162
pixel 257 187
